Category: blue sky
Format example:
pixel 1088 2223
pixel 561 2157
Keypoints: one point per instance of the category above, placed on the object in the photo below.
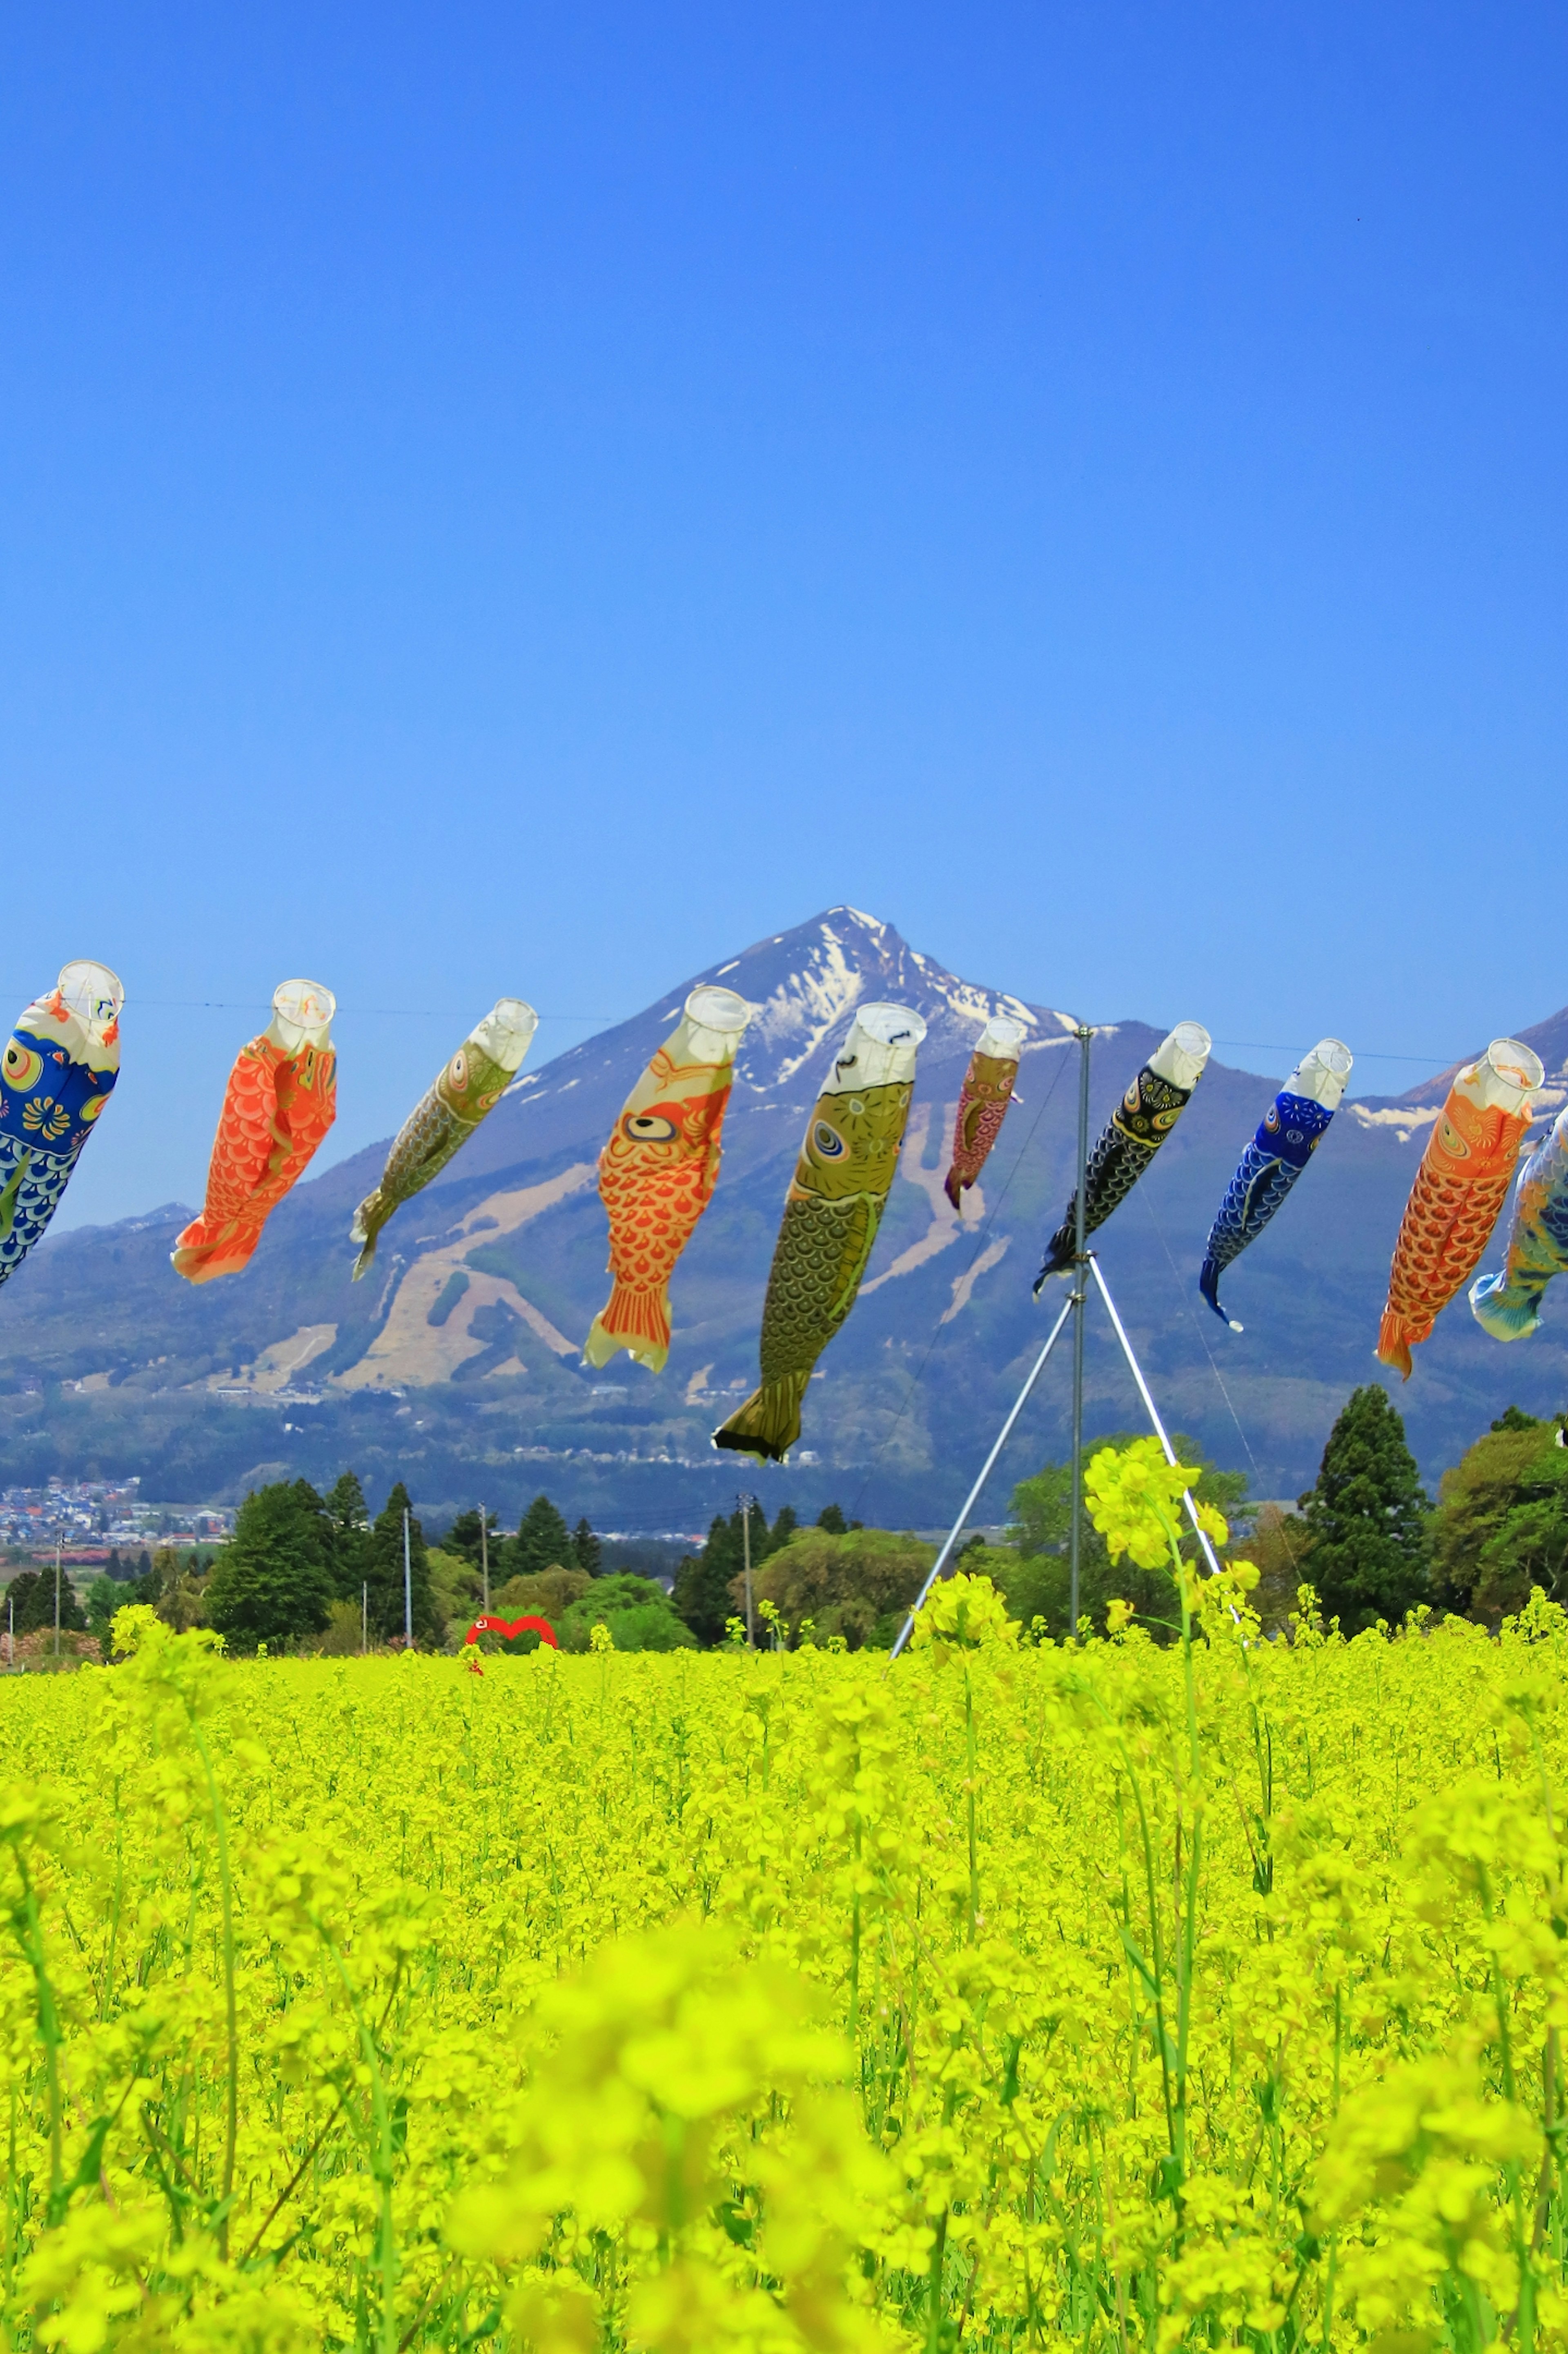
pixel 531 499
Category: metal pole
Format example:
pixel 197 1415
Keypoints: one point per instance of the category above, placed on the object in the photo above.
pixel 407 1588
pixel 1001 1439
pixel 364 1619
pixel 746 1542
pixel 1080 1303
pixel 1153 1411
pixel 485 1557
pixel 59 1543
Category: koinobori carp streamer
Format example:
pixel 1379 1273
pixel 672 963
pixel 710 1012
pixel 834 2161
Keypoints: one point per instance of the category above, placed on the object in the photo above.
pixel 470 1085
pixel 983 1100
pixel 59 1069
pixel 832 1212
pixel 1507 1306
pixel 658 1170
pixel 1134 1134
pixel 277 1106
pixel 1287 1135
pixel 1460 1189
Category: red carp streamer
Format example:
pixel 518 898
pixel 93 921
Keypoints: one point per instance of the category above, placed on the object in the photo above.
pixel 279 1102
pixel 983 1100
pixel 1460 1189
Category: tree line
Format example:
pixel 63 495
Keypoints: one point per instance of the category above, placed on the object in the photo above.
pixel 304 1570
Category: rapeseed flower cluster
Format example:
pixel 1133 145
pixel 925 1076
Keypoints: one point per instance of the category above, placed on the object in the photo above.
pixel 1140 1993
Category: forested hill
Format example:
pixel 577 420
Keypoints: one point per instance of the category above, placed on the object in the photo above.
pixel 457 1364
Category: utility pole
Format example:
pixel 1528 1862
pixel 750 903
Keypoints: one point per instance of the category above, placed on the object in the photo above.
pixel 485 1558
pixel 364 1619
pixel 1080 1303
pixel 407 1588
pixel 59 1542
pixel 745 1505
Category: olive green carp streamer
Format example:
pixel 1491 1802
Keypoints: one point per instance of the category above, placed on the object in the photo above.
pixel 832 1214
pixel 446 1115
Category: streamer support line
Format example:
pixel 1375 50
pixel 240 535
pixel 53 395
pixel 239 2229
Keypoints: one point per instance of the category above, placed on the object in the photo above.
pixel 1076 1300
pixel 956 1532
pixel 1153 1410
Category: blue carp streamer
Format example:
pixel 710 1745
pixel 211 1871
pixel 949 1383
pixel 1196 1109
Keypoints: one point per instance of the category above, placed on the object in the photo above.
pixel 1287 1135
pixel 58 1066
pixel 1507 1306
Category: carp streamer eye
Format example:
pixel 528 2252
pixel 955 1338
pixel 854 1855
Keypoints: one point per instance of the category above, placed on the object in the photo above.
pixel 648 1127
pixel 457 1072
pixel 826 1142
pixel 22 1067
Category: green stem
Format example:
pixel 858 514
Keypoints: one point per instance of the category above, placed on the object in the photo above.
pixel 226 1884
pixel 380 2147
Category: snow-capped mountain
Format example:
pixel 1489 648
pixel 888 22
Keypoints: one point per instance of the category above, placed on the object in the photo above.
pixel 457 1364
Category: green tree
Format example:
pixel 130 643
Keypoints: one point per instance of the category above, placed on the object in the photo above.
pixel 542 1541
pixel 32 1598
pixel 637 1611
pixel 832 1518
pixel 384 1575
pixel 105 1596
pixel 1367 1517
pixel 464 1536
pixel 1501 1521
pixel 272 1582
pixel 857 1582
pixel 702 1580
pixel 1038 1581
pixel 346 1536
pixel 586 1551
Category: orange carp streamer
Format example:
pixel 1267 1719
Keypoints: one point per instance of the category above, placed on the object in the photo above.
pixel 658 1170
pixel 983 1100
pixel 1460 1189
pixel 279 1102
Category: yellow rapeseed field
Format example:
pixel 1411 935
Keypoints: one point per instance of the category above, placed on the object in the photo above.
pixel 1137 1996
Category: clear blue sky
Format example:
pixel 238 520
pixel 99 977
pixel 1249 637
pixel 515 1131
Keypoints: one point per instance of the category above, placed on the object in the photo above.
pixel 519 498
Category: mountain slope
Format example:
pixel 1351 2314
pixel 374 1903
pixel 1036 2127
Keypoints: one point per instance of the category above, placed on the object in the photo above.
pixel 456 1363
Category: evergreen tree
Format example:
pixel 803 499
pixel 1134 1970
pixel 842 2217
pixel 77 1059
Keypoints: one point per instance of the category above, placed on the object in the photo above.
pixel 272 1582
pixel 104 1597
pixel 143 1564
pixel 701 1591
pixel 462 1537
pixel 113 1566
pixel 384 1575
pixel 586 1548
pixel 346 1536
pixel 542 1541
pixel 1367 1517
pixel 832 1518
pixel 31 1596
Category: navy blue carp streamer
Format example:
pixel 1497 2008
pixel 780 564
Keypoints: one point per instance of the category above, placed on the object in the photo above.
pixel 1137 1127
pixel 1507 1306
pixel 60 1064
pixel 1288 1136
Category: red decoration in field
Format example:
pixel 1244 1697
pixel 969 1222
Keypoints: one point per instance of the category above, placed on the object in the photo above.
pixel 510 1627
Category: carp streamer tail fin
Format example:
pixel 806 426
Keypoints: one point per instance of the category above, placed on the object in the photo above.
pixel 1394 1336
pixel 1209 1285
pixel 366 1230
pixel 634 1319
pixel 953 1187
pixel 768 1424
